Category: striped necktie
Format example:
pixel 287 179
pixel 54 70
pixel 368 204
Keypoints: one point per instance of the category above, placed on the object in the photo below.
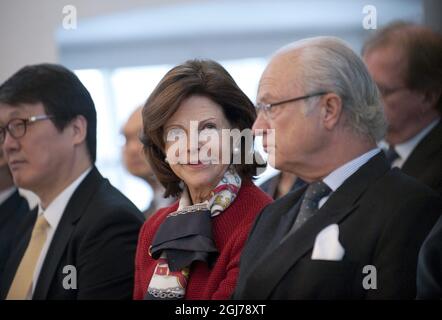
pixel 310 203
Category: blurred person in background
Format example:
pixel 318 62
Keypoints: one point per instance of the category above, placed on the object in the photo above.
pixel 136 163
pixel 405 61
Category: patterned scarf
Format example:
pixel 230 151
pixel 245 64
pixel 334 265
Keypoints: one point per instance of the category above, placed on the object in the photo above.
pixel 186 236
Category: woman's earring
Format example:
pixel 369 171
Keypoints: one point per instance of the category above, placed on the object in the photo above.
pixel 166 160
pixel 236 148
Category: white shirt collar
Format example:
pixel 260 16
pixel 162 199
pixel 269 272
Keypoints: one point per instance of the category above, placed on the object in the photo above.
pixel 55 209
pixel 336 178
pixel 5 194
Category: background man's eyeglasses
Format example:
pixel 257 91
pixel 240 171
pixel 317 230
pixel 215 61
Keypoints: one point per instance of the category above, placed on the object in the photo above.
pixel 17 127
pixel 385 92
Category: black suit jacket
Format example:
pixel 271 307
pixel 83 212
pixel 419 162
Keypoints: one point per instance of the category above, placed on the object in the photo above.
pixel 270 186
pixel 97 234
pixel 429 269
pixel 383 217
pixel 425 162
pixel 12 213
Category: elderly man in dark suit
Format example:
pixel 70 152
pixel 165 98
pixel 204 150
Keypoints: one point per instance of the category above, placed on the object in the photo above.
pixel 80 241
pixel 355 231
pixel 405 61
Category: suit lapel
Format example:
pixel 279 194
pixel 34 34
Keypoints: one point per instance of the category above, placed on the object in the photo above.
pixel 288 218
pixel 13 207
pixel 24 233
pixel 276 262
pixel 423 153
pixel 9 207
pixel 287 207
pixel 75 208
pixel 261 242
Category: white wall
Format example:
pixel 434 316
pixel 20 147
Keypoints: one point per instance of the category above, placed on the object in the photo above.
pixel 27 32
pixel 220 30
pixel 27 27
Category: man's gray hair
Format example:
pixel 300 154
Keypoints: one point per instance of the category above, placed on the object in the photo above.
pixel 328 64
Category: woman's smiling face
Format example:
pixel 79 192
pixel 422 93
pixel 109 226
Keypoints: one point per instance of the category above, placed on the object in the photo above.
pixel 199 175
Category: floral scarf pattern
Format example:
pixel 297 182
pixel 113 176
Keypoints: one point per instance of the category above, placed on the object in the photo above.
pixel 186 236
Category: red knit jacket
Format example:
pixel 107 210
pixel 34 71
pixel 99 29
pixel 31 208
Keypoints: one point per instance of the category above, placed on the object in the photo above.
pixel 230 230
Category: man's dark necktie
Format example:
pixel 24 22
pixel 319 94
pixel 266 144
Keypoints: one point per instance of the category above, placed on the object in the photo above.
pixel 391 155
pixel 310 204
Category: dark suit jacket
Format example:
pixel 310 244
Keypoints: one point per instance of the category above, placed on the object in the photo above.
pixel 429 269
pixel 270 186
pixel 383 217
pixel 12 213
pixel 425 162
pixel 97 234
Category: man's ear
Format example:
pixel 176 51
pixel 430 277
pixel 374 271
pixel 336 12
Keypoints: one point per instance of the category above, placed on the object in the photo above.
pixel 331 110
pixel 430 99
pixel 79 129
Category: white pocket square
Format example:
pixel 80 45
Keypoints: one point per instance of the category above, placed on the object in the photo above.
pixel 327 246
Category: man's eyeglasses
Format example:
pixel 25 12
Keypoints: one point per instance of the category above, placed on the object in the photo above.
pixel 385 92
pixel 17 127
pixel 268 108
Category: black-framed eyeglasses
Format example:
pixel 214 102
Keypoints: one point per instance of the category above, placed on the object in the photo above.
pixel 17 127
pixel 269 107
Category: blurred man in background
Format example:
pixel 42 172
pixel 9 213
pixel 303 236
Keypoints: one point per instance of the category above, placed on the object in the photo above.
pixel 405 60
pixel 136 163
